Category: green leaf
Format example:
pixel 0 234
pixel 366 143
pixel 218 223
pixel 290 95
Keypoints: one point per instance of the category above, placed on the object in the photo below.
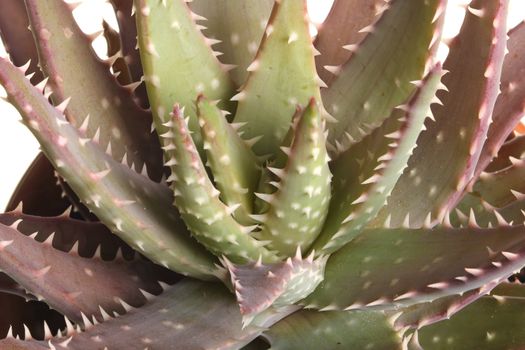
pixel 239 26
pixel 282 77
pixel 377 77
pixel 491 323
pixel 423 314
pixel 135 208
pixel 299 207
pixel 365 174
pixel 313 330
pixel 235 168
pixel 168 38
pixel 444 160
pixel 500 188
pixel 209 220
pixel 387 268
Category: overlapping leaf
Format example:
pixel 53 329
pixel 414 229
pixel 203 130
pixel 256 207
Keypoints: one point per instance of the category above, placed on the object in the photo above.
pixel 443 163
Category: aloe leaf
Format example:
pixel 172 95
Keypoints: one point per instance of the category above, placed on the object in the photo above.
pixel 65 280
pixel 39 183
pixel 137 209
pixel 333 330
pixel 282 76
pixel 9 286
pixel 189 315
pixel 474 210
pixel 421 264
pixel 500 188
pixel 238 25
pixel 373 81
pixel 342 27
pixel 259 286
pixel 447 152
pixel 491 323
pixel 17 314
pixel 129 47
pixel 514 147
pixel 209 220
pixel 510 102
pixel 235 168
pixel 17 38
pixel 441 309
pixel 113 115
pixel 128 36
pixel 119 67
pixel 297 210
pixel 87 236
pixel 167 29
pixel 365 174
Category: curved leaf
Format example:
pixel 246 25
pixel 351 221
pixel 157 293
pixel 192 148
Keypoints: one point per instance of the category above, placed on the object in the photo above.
pixel 312 330
pixel 386 268
pixel 132 206
pixel 444 160
pixel 75 72
pixel 282 76
pixel 342 27
pixel 492 323
pixel 189 315
pixel 377 77
pixel 239 26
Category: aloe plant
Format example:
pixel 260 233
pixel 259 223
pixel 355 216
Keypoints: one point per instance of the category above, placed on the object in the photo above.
pixel 281 191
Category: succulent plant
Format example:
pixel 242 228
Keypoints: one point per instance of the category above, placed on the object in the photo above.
pixel 236 183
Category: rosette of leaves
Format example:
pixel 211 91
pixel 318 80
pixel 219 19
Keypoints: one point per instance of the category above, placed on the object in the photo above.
pixel 281 190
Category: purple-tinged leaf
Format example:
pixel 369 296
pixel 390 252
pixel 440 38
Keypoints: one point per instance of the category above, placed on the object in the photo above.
pixel 67 232
pixel 38 191
pixel 514 147
pixel 128 36
pixel 189 315
pixel 17 38
pixel 137 209
pixel 259 286
pixel 70 283
pixel 444 160
pixel 75 72
pixel 119 67
pixel 9 286
pixel 343 27
pixel 17 314
pixel 128 46
pixel 510 104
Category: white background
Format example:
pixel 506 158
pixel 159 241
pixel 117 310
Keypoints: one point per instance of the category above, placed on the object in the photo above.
pixel 18 148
